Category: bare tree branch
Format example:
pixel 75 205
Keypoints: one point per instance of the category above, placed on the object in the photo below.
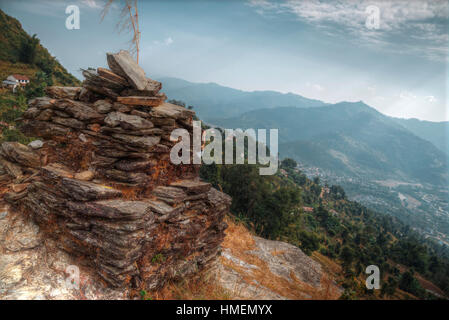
pixel 129 21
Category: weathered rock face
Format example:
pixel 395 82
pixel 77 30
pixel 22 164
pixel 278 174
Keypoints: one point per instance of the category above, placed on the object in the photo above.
pixel 33 267
pixel 102 185
pixel 254 268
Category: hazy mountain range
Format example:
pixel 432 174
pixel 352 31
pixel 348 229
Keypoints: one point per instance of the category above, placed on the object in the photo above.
pixel 350 138
pixel 212 102
pixel 208 98
pixel 394 165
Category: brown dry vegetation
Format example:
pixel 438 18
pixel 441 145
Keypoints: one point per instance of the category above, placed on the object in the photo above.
pixel 239 241
pixel 8 68
pixel 202 287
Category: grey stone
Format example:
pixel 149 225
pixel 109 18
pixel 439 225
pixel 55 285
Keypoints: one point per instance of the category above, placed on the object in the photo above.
pixel 82 137
pixel 36 144
pixel 168 110
pixel 127 122
pixel 79 110
pixel 102 106
pixel 141 142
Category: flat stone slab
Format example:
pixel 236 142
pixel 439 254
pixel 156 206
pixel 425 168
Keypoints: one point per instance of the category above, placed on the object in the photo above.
pixel 102 106
pixel 69 122
pixel 192 186
pixel 127 121
pixel 134 165
pixel 170 195
pixel 87 191
pixel 152 89
pixel 141 101
pixel 56 171
pixel 168 110
pixel 63 92
pixel 141 142
pixel 78 110
pixel 113 209
pixel 20 153
pixel 161 207
pixel 42 102
pixel 108 74
pixel 96 80
pixel 123 64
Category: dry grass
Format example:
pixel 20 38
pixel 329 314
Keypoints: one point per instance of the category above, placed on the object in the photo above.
pixel 8 68
pixel 239 242
pixel 328 264
pixel 203 286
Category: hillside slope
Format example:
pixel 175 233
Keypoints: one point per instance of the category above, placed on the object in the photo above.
pixel 435 132
pixel 35 270
pixel 23 54
pixel 342 235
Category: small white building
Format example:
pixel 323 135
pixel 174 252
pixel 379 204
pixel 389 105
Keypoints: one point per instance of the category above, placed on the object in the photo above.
pixel 15 80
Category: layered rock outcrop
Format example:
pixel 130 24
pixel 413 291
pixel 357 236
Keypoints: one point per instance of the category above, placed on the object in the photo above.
pixel 102 186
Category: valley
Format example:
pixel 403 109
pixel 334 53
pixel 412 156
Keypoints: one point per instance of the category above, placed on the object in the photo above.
pixel 395 166
pixel 421 205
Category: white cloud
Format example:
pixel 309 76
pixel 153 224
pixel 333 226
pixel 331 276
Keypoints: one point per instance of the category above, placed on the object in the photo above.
pixel 315 86
pixel 430 99
pixel 422 24
pixel 93 4
pixel 163 43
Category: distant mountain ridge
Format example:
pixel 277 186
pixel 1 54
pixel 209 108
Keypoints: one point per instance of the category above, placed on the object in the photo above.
pixel 211 99
pixel 350 138
pixel 435 132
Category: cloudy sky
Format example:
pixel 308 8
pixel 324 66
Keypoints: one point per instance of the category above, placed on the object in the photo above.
pixel 327 50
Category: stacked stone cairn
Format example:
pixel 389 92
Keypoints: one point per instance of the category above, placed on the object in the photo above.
pixel 102 183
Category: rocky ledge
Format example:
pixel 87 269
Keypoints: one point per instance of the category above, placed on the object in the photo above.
pixel 100 184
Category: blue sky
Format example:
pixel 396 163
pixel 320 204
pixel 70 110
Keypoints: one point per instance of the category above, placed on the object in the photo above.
pixel 321 50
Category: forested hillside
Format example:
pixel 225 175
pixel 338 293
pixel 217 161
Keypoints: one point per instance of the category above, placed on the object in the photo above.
pixel 378 161
pixel 23 54
pixel 319 218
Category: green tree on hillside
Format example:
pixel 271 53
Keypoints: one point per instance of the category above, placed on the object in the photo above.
pixel 29 49
pixel 36 88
